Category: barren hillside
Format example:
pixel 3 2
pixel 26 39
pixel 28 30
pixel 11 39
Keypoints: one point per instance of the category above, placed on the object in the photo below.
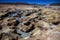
pixel 29 22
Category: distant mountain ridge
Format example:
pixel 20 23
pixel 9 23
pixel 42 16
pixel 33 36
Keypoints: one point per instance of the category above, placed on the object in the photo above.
pixel 16 3
pixel 21 3
pixel 55 4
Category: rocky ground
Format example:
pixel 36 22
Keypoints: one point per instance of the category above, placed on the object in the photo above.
pixel 28 23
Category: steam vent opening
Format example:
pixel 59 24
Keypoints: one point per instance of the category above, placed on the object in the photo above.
pixel 29 22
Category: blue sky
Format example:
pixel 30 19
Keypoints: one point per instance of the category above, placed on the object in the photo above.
pixel 31 1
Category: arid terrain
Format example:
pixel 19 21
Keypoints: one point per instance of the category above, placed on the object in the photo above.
pixel 29 22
